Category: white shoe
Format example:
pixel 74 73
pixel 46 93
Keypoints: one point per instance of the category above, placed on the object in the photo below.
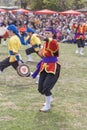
pixel 44 109
pixel 81 53
pixel 4 43
pixel 37 79
pixel 36 82
pixel 48 104
pixel 31 74
pixel 30 60
pixel 51 100
pixel 77 51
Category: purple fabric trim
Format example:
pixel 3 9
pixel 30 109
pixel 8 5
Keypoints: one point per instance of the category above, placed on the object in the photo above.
pixel 77 34
pixel 50 59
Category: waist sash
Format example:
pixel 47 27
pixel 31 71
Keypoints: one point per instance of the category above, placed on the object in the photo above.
pixel 76 35
pixel 51 59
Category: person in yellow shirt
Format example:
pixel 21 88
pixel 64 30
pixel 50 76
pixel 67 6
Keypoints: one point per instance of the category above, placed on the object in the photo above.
pixel 34 41
pixel 14 45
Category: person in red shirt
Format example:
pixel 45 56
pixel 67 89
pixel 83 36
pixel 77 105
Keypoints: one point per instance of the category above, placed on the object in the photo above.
pixel 80 29
pixel 49 68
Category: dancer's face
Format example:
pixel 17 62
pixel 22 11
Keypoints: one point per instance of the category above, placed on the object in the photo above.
pixel 10 33
pixel 49 34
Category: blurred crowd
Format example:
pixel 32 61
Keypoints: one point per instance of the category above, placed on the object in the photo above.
pixel 61 24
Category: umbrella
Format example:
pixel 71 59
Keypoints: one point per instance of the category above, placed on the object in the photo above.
pixel 2 10
pixel 73 12
pixel 25 11
pixel 45 11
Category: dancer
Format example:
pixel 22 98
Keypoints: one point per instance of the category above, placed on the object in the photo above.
pixel 14 46
pixel 35 43
pixel 80 29
pixel 48 67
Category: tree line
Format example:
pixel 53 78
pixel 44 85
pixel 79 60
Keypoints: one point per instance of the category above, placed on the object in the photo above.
pixel 57 5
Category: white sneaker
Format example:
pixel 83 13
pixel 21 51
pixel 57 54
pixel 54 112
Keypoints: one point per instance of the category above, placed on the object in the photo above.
pixel 47 106
pixel 31 74
pixel 4 43
pixel 44 109
pixel 81 53
pixel 30 60
pixel 77 51
pixel 36 82
pixel 51 100
pixel 37 79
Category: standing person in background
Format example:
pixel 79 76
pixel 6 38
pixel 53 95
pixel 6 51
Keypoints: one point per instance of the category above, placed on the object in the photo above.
pixel 49 68
pixel 14 46
pixel 79 38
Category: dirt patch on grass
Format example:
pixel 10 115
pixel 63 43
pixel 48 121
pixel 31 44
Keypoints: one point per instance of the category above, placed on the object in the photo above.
pixel 6 118
pixel 11 105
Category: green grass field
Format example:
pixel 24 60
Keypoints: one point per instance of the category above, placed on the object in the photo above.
pixel 20 101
